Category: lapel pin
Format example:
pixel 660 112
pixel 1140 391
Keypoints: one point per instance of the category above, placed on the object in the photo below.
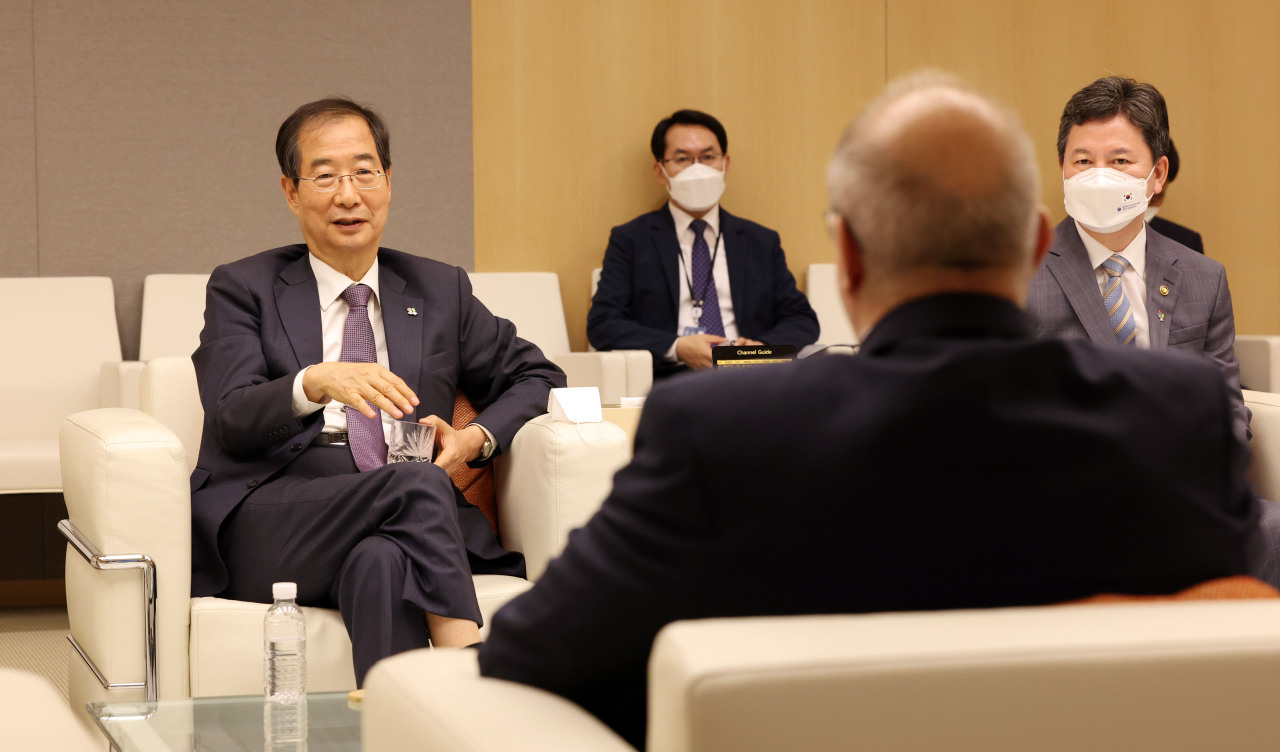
pixel 411 311
pixel 1164 290
pixel 1160 315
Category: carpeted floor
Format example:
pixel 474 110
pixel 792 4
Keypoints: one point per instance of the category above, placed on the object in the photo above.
pixel 35 640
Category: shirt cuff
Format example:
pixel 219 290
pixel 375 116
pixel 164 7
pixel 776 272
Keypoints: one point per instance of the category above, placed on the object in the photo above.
pixel 302 406
pixel 493 443
pixel 670 357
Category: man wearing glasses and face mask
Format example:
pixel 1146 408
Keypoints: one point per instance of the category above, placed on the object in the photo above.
pixel 689 276
pixel 1112 279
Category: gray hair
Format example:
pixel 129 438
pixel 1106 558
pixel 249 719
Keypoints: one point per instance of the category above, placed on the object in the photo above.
pixel 905 217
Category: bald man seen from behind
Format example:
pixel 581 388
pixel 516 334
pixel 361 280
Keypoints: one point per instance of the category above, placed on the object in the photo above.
pixel 955 462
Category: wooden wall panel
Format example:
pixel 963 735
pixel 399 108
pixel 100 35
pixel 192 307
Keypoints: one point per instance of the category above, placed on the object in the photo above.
pixel 1217 64
pixel 566 94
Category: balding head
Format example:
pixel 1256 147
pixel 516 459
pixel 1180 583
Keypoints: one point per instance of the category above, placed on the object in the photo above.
pixel 937 187
pixel 933 174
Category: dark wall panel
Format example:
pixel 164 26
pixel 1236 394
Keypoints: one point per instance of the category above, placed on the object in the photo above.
pixel 156 124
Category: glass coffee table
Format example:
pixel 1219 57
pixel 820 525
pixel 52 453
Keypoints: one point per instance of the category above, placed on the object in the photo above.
pixel 219 724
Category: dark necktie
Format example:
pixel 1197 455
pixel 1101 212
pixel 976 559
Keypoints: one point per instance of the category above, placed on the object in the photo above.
pixel 368 445
pixel 704 283
pixel 1117 303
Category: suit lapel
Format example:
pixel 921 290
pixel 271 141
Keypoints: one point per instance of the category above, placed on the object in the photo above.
pixel 403 318
pixel 1068 262
pixel 735 258
pixel 667 247
pixel 1162 272
pixel 298 303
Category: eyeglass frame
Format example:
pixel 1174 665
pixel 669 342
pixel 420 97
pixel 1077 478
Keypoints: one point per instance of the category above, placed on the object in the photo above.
pixel 382 174
pixel 712 160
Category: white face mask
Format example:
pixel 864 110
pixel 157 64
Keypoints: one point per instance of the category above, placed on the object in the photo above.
pixel 697 187
pixel 1150 213
pixel 1105 199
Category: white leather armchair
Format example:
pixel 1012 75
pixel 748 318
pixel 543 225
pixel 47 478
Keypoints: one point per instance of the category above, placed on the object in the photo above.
pixel 172 317
pixel 57 333
pixel 1170 676
pixel 822 287
pixel 139 633
pixel 1259 357
pixel 531 300
pixel 33 716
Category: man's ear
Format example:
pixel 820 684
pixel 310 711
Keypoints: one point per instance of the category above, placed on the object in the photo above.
pixel 1044 239
pixel 660 175
pixel 1160 174
pixel 852 274
pixel 726 165
pixel 290 193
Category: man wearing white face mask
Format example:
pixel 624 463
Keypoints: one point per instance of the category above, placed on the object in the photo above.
pixel 689 276
pixel 1107 277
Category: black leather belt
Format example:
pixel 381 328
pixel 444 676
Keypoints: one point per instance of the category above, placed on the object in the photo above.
pixel 330 439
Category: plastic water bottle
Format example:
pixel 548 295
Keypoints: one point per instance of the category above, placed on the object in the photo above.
pixel 285 640
pixel 284 670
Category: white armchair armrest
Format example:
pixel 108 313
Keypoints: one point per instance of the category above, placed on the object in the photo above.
pixel 551 481
pixel 1259 357
pixel 437 700
pixel 605 370
pixel 127 489
pixel 119 383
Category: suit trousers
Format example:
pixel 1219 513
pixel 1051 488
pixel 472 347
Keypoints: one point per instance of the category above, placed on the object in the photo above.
pixel 383 547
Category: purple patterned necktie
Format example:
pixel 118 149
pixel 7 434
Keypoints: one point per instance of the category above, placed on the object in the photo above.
pixel 368 445
pixel 704 283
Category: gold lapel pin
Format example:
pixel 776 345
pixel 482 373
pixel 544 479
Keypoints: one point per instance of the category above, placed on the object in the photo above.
pixel 1164 290
pixel 414 311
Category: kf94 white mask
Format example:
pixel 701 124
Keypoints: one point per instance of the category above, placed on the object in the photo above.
pixel 1105 199
pixel 697 187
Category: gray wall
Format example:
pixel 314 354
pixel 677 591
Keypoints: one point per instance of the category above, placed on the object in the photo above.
pixel 137 136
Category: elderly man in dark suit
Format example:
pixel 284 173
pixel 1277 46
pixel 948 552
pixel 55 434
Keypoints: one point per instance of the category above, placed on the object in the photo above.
pixel 307 354
pixel 689 276
pixel 955 462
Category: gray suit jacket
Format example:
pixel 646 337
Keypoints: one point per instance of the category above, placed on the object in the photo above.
pixel 1065 302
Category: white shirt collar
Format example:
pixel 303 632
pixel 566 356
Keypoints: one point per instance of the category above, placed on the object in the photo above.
pixel 330 282
pixel 1135 253
pixel 684 219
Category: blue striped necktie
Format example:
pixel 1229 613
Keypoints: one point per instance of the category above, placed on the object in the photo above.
pixel 1117 303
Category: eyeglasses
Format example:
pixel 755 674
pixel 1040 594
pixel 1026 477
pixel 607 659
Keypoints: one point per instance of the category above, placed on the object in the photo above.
pixel 365 180
pixel 684 160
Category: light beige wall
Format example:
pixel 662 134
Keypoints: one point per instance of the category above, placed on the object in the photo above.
pixel 566 93
pixel 150 128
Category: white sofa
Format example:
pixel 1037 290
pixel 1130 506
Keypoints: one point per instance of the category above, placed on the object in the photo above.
pixel 172 317
pixel 1259 357
pixel 531 300
pixel 57 333
pixel 126 477
pixel 1169 676
pixel 823 290
pixel 33 716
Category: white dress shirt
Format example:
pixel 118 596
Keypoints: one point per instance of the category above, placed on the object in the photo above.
pixel 719 272
pixel 1134 279
pixel 330 284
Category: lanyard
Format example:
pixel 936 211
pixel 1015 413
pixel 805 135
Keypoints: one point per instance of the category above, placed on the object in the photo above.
pixel 698 300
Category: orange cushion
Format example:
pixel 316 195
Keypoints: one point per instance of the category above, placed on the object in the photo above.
pixel 476 483
pixel 1223 588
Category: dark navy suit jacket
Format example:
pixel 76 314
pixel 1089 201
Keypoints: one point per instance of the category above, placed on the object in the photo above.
pixel 956 462
pixel 636 305
pixel 262 326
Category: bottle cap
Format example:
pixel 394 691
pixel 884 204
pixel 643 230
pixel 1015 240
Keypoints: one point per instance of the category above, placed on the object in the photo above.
pixel 284 591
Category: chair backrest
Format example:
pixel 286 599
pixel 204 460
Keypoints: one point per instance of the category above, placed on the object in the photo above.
pixel 172 314
pixel 1264 448
pixel 823 290
pixel 531 301
pixel 171 396
pixel 1168 676
pixel 58 331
